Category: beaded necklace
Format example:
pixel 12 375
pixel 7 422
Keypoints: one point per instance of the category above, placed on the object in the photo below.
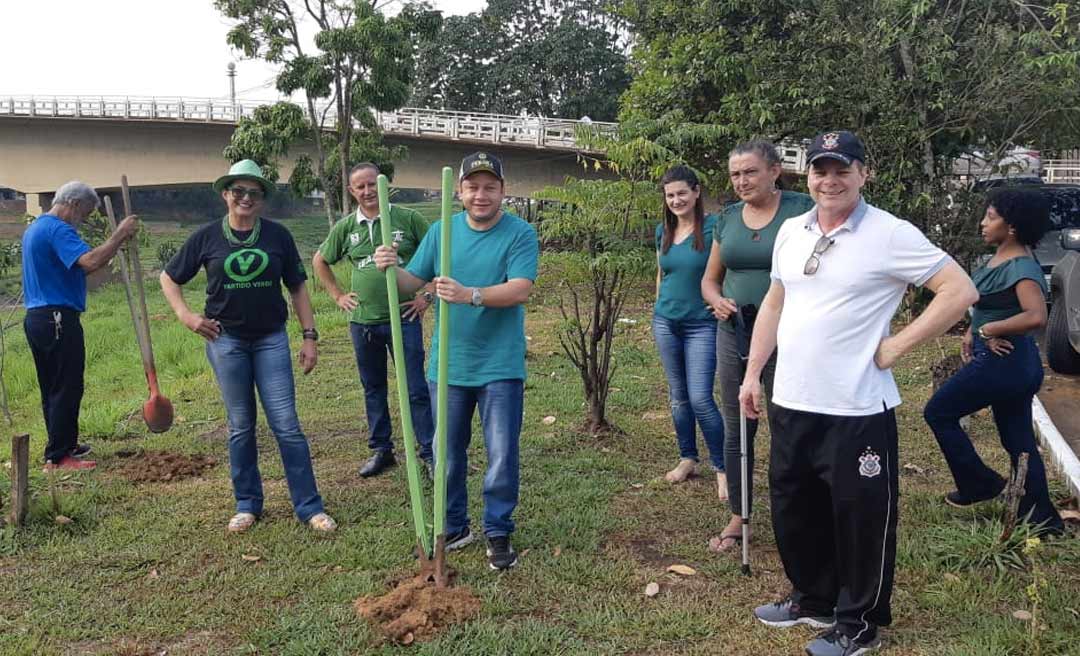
pixel 230 237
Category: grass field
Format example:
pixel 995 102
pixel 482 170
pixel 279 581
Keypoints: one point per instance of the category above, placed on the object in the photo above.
pixel 149 567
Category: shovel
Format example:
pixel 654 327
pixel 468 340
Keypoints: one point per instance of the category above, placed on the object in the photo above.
pixel 158 410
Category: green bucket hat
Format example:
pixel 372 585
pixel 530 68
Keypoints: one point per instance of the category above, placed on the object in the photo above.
pixel 244 169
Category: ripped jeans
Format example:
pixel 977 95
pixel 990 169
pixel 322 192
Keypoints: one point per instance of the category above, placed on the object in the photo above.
pixel 688 353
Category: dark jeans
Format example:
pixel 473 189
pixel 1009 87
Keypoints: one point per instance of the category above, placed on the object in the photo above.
pixel 1006 384
pixel 833 482
pixel 372 343
pixel 729 372
pixel 242 366
pixel 688 353
pixel 501 404
pixel 56 342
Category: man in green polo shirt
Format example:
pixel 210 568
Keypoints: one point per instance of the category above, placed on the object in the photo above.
pixel 355 238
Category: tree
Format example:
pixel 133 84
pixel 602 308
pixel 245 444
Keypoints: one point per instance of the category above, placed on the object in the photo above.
pixel 921 81
pixel 361 60
pixel 545 57
pixel 599 234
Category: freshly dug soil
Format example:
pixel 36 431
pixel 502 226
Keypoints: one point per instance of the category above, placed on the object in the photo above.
pixel 162 466
pixel 415 610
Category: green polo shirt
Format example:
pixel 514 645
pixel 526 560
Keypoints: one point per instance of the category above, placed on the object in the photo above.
pixel 355 239
pixel 747 254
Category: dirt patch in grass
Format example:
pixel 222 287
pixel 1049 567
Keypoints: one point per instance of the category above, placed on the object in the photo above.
pixel 162 466
pixel 944 369
pixel 415 610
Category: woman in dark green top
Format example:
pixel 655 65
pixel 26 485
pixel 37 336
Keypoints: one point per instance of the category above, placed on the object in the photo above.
pixel 735 281
pixel 1003 369
pixel 684 329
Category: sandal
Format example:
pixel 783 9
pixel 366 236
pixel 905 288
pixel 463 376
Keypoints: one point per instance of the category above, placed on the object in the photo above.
pixel 322 523
pixel 732 540
pixel 241 522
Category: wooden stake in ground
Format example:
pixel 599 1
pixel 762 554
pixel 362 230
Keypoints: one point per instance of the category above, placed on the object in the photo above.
pixel 1014 491
pixel 20 478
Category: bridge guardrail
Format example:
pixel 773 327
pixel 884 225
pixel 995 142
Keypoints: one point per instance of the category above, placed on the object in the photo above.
pixel 540 132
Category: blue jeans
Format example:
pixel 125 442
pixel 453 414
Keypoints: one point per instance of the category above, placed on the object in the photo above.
pixel 241 366
pixel 1006 384
pixel 501 404
pixel 688 353
pixel 371 343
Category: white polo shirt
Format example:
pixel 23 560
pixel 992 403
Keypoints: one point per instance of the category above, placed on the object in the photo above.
pixel 833 320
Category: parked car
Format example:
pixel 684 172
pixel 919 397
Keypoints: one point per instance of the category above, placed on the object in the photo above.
pixel 1063 326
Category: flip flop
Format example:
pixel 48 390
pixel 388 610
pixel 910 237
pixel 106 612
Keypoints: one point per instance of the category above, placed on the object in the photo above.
pixel 716 544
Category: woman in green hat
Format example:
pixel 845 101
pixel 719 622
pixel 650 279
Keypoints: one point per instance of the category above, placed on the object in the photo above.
pixel 246 259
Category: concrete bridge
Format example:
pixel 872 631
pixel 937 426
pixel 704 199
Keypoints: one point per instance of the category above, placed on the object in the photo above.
pixel 157 142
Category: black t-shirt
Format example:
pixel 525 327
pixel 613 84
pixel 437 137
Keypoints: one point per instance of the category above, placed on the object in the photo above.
pixel 243 283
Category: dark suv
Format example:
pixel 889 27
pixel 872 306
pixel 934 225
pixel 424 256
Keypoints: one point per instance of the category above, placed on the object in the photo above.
pixel 1059 254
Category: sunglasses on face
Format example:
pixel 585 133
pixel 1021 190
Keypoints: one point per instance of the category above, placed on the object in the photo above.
pixel 239 193
pixel 812 264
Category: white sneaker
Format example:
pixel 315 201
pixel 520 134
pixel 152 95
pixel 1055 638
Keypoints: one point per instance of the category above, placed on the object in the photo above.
pixel 241 522
pixel 322 523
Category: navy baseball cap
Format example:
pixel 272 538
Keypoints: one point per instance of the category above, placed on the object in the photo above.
pixel 478 162
pixel 839 145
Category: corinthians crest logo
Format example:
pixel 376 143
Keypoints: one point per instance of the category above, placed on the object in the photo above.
pixel 869 463
pixel 830 141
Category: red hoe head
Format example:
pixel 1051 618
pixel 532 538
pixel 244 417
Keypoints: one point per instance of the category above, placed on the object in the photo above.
pixel 158 413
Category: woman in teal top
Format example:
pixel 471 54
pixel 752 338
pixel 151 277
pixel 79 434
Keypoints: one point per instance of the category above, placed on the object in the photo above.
pixel 683 326
pixel 1003 369
pixel 735 281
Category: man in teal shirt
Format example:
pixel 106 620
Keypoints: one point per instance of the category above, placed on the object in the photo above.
pixel 494 261
pixel 355 238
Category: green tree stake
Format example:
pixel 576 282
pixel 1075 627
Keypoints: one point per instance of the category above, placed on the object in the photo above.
pixel 443 383
pixel 412 466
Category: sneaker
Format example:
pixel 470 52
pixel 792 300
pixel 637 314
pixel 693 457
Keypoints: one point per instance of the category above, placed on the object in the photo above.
pixel 69 463
pixel 378 462
pixel 834 643
pixel 499 552
pixel 322 523
pixel 241 522
pixel 957 500
pixel 81 451
pixel 786 613
pixel 459 540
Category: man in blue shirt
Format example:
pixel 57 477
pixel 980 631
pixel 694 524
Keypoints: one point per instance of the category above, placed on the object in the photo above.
pixel 493 261
pixel 55 263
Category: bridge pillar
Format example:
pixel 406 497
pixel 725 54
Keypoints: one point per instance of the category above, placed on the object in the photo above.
pixel 37 204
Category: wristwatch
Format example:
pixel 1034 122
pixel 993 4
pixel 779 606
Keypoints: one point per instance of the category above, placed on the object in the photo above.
pixel 312 334
pixel 428 296
pixel 477 300
pixel 982 334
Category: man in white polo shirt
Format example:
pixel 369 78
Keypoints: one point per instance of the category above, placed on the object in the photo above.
pixel 839 274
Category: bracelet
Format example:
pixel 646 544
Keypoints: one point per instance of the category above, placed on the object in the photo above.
pixel 982 334
pixel 312 334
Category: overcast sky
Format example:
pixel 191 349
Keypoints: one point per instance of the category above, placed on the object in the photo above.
pixel 131 47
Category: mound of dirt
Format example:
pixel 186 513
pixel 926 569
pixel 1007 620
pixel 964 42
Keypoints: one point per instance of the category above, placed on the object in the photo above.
pixel 415 610
pixel 162 466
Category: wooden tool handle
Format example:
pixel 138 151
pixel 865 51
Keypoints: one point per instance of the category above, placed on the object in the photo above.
pixel 137 273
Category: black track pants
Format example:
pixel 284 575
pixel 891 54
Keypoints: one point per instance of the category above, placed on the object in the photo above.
pixel 833 482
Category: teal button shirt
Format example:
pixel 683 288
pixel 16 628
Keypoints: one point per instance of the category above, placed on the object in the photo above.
pixel 681 269
pixel 486 344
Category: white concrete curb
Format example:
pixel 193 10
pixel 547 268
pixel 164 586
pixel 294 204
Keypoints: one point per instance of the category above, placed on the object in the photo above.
pixel 1062 454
